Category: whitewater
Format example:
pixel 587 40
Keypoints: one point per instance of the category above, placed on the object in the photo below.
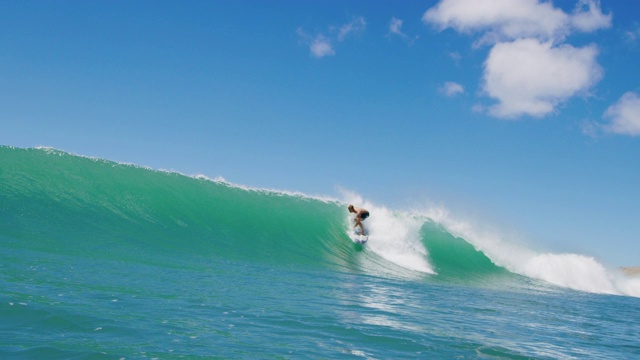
pixel 108 260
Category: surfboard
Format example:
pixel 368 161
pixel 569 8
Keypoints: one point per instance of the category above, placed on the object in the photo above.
pixel 359 238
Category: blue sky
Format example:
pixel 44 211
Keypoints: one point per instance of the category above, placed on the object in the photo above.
pixel 524 113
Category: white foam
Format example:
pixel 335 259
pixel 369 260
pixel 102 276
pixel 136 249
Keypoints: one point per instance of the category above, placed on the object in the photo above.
pixel 574 271
pixel 393 236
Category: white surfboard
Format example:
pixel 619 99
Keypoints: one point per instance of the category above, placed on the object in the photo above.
pixel 359 238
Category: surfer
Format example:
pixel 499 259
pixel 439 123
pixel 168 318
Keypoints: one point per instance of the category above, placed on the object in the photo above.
pixel 361 214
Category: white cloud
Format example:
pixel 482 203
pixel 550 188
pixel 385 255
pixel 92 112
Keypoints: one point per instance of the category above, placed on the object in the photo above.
pixel 395 28
pixel 624 115
pixel 588 17
pixel 504 20
pixel 319 46
pixel 478 108
pixel 456 57
pixel 510 19
pixel 322 45
pixel 356 26
pixel 633 34
pixel 529 77
pixel 452 89
pixel 529 71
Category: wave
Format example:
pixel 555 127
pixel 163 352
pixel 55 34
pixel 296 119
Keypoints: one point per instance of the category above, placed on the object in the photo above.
pixel 53 201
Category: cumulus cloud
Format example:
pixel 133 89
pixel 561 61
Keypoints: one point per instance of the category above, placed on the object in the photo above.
pixel 451 89
pixel 503 20
pixel 506 19
pixel 588 17
pixel 322 45
pixel 529 71
pixel 529 77
pixel 624 115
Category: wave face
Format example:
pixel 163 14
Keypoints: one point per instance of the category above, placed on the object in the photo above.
pixel 59 202
pixel 56 202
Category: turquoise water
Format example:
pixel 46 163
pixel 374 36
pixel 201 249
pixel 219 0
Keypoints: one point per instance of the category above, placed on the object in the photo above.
pixel 108 260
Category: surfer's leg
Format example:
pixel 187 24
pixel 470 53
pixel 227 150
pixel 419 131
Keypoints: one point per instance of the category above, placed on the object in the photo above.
pixel 359 223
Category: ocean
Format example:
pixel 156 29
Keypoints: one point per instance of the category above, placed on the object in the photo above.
pixel 104 260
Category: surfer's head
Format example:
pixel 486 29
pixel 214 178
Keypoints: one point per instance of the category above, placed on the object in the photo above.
pixel 351 209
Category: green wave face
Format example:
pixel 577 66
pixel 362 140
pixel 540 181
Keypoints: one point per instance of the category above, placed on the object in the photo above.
pixel 453 257
pixel 64 204
pixel 53 201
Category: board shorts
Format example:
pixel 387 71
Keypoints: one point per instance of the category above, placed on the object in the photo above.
pixel 364 215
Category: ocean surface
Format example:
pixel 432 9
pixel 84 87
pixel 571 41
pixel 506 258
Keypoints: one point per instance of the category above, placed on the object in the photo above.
pixel 103 260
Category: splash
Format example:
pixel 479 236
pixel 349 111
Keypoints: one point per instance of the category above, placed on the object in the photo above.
pixel 394 236
pixel 574 271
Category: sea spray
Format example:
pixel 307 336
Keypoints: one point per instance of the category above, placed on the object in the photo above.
pixel 573 271
pixel 394 236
